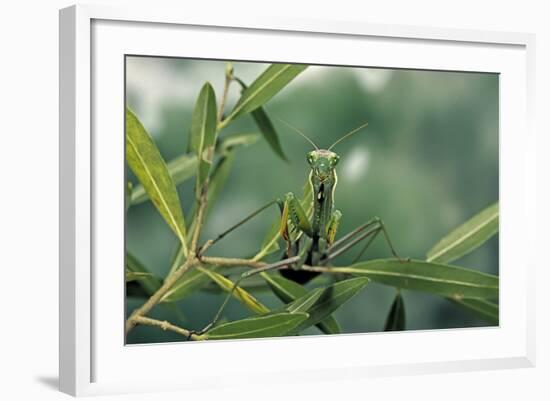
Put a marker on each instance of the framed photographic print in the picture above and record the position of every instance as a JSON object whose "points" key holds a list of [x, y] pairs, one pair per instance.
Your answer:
{"points": [[315, 199]]}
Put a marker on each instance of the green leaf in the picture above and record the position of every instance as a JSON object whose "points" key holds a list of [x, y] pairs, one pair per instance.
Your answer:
{"points": [[231, 142], [482, 308], [217, 182], [268, 130], [266, 127], [127, 196], [289, 291], [452, 281], [180, 169], [219, 178], [203, 132], [304, 303], [332, 298], [133, 276], [134, 268], [274, 325], [241, 295], [228, 147], [145, 160], [270, 242], [184, 166], [190, 282], [467, 237], [396, 318], [267, 85]]}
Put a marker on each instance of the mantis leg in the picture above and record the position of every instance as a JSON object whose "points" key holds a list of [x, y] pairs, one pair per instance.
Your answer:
{"points": [[293, 211], [211, 242], [377, 227], [282, 264], [332, 226]]}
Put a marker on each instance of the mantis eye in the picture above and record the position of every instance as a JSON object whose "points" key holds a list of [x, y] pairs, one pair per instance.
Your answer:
{"points": [[310, 158], [334, 160]]}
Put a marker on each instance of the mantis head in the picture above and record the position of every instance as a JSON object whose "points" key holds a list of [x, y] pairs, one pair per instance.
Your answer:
{"points": [[322, 162]]}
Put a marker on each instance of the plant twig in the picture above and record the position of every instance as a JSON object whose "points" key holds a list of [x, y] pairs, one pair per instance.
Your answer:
{"points": [[157, 296], [203, 203], [213, 260], [165, 325], [191, 261]]}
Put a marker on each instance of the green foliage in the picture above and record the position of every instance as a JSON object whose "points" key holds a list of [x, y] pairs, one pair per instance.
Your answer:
{"points": [[192, 281], [396, 318], [289, 291], [466, 237], [333, 297], [180, 169], [135, 270], [210, 160], [267, 85], [241, 295], [266, 127], [451, 281], [145, 160], [256, 327], [482, 308], [305, 302], [203, 133]]}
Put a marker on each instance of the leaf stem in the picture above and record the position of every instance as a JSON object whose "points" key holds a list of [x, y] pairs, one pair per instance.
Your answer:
{"points": [[227, 83]]}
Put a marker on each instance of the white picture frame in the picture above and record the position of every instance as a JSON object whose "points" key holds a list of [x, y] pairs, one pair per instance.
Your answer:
{"points": [[93, 360]]}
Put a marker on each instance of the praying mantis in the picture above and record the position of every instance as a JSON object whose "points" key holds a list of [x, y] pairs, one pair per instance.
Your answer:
{"points": [[310, 233]]}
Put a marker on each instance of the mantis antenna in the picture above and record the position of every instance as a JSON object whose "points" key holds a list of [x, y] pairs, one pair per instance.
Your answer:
{"points": [[349, 134], [298, 131]]}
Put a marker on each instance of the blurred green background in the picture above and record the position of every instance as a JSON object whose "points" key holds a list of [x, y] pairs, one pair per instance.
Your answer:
{"points": [[427, 161]]}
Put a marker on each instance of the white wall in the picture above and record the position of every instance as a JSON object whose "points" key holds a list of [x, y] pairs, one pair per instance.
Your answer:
{"points": [[28, 201]]}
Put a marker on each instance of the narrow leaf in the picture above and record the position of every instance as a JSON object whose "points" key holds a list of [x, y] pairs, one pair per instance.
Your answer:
{"points": [[274, 325], [270, 242], [127, 196], [184, 166], [396, 318], [180, 169], [304, 303], [289, 291], [452, 281], [266, 127], [234, 141], [217, 182], [267, 85], [145, 160], [241, 295], [134, 268], [190, 282], [268, 130], [486, 310], [133, 276], [219, 178], [467, 237], [203, 133], [332, 298]]}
